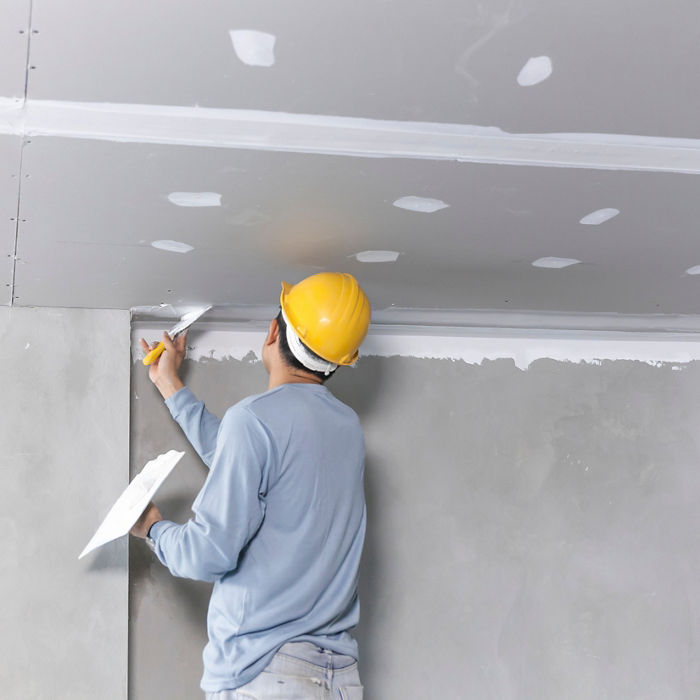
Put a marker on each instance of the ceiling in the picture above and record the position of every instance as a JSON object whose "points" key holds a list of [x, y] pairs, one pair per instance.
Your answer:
{"points": [[306, 159]]}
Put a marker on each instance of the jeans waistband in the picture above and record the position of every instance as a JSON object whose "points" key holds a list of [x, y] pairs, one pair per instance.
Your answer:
{"points": [[306, 651]]}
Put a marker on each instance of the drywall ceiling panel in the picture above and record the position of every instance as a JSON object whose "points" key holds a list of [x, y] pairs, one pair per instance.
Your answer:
{"points": [[93, 210], [14, 35], [616, 67], [10, 150]]}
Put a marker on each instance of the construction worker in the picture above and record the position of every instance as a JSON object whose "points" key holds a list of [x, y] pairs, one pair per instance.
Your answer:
{"points": [[280, 522]]}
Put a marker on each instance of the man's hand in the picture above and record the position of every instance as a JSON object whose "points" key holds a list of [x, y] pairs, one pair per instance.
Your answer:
{"points": [[164, 371], [143, 524]]}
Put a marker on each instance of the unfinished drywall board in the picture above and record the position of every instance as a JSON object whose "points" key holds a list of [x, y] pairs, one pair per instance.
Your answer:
{"points": [[95, 209], [528, 535], [10, 155], [65, 452], [531, 533], [15, 35], [171, 664], [446, 62]]}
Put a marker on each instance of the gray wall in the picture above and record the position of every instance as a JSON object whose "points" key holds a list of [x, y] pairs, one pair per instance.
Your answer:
{"points": [[64, 434], [532, 534]]}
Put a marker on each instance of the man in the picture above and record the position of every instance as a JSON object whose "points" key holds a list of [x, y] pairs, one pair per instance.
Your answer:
{"points": [[279, 524]]}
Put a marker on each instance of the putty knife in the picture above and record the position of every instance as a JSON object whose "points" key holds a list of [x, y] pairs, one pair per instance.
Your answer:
{"points": [[182, 325]]}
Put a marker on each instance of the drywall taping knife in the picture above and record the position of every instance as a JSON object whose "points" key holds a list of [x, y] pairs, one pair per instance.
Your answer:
{"points": [[182, 325]]}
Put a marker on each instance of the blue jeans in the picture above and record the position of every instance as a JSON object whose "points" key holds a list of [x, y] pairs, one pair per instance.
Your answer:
{"points": [[301, 671]]}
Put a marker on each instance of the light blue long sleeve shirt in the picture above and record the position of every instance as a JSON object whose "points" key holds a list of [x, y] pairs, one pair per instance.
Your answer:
{"points": [[278, 526]]}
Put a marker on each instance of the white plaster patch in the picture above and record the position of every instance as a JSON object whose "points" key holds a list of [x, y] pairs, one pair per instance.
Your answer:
{"points": [[555, 263], [172, 247], [208, 344], [377, 256], [425, 205], [693, 270], [195, 199], [254, 48], [600, 216], [536, 70]]}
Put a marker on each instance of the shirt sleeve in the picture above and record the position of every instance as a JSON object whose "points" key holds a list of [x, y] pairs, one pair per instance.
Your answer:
{"points": [[199, 425], [230, 507]]}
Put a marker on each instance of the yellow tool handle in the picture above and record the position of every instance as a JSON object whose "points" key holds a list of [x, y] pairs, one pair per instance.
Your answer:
{"points": [[154, 354]]}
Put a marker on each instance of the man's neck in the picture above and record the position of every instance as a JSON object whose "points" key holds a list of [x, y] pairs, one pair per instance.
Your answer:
{"points": [[291, 376]]}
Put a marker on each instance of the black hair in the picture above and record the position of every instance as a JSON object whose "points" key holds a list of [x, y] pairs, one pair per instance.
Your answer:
{"points": [[288, 356]]}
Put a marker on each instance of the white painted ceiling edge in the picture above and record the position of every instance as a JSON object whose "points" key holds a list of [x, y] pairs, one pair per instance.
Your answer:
{"points": [[453, 322], [350, 136]]}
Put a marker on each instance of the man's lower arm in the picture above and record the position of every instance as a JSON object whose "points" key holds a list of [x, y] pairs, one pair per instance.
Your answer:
{"points": [[167, 386]]}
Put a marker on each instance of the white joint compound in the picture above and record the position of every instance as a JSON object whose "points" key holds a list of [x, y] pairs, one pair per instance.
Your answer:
{"points": [[349, 136]]}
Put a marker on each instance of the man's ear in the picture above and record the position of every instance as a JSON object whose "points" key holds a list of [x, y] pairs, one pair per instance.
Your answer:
{"points": [[273, 332]]}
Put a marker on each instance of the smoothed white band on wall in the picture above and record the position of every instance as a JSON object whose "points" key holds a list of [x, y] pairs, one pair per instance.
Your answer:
{"points": [[470, 346], [349, 136]]}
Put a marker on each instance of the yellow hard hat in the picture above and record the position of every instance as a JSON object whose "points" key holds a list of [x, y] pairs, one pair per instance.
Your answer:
{"points": [[330, 313]]}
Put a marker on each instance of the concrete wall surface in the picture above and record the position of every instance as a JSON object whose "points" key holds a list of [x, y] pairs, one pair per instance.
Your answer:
{"points": [[533, 535], [64, 434]]}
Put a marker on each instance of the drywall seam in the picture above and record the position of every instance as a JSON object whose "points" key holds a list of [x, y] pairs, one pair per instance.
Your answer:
{"points": [[16, 103], [473, 348], [28, 63], [18, 217], [350, 136]]}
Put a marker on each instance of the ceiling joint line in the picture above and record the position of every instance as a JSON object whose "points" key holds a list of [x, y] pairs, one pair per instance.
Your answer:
{"points": [[18, 214], [316, 134], [27, 67]]}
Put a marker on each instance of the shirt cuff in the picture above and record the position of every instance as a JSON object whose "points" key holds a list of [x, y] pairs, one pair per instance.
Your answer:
{"points": [[179, 401], [154, 533], [157, 528]]}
